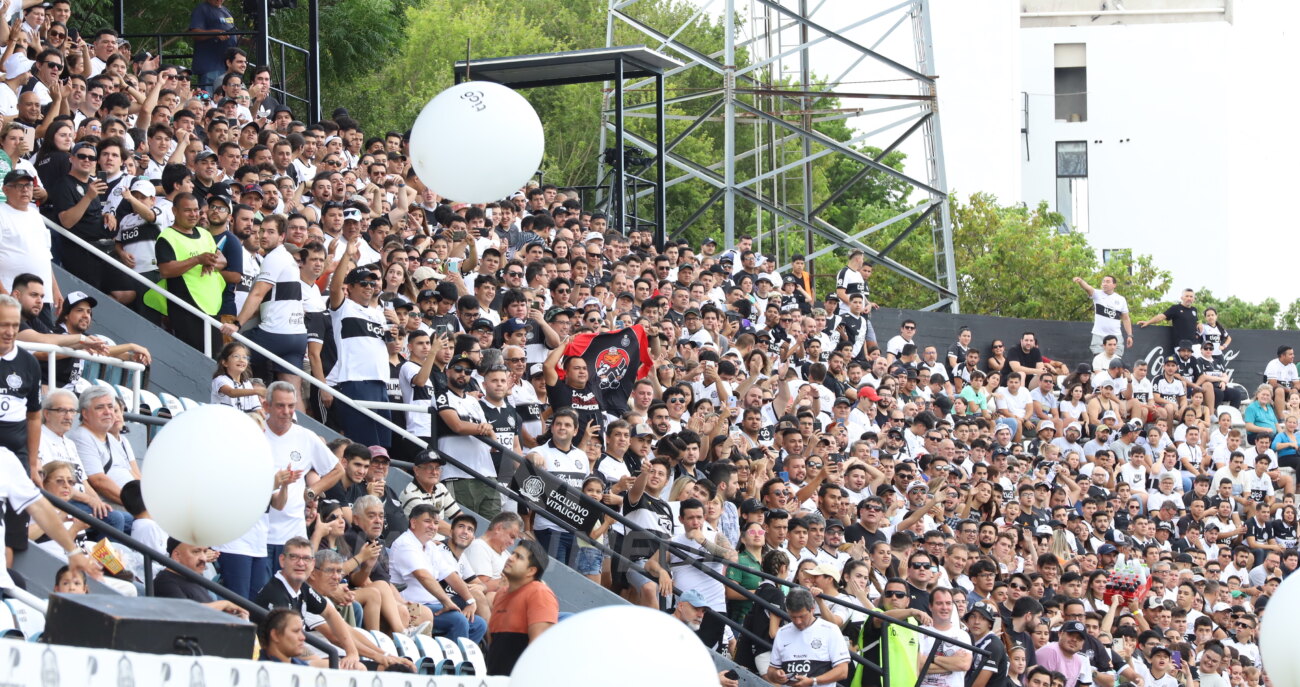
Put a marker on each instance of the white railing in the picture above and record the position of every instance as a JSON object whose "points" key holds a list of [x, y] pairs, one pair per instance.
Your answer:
{"points": [[216, 324], [52, 351], [28, 599]]}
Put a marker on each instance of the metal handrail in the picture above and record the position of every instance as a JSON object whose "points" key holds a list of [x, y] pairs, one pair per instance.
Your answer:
{"points": [[685, 554], [151, 556], [136, 369], [292, 368]]}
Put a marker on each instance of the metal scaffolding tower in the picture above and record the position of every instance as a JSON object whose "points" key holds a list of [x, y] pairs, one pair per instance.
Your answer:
{"points": [[768, 92]]}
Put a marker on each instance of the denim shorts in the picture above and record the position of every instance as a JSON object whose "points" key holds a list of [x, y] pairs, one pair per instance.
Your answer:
{"points": [[589, 560]]}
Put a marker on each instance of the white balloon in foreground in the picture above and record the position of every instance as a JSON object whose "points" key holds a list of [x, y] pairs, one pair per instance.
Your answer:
{"points": [[476, 142], [208, 475], [1276, 644], [592, 648]]}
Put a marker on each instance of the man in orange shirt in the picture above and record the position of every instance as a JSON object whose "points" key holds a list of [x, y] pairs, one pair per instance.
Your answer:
{"points": [[522, 612]]}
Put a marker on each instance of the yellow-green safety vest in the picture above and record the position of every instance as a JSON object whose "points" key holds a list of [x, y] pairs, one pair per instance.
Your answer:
{"points": [[205, 289], [903, 645]]}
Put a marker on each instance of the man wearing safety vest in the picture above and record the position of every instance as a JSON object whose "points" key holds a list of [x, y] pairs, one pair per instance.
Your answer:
{"points": [[190, 265], [894, 647]]}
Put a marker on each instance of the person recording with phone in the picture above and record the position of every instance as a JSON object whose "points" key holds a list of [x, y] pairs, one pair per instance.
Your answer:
{"points": [[75, 203]]}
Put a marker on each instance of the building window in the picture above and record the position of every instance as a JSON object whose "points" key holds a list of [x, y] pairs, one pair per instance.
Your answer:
{"points": [[1071, 82], [1118, 254], [1072, 185]]}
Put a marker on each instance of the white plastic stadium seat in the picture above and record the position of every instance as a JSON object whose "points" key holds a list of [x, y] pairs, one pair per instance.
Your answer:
{"points": [[149, 402], [384, 642], [171, 403], [106, 385], [434, 657], [475, 663], [28, 620], [9, 625], [189, 404], [124, 393], [1237, 419], [406, 647], [452, 656]]}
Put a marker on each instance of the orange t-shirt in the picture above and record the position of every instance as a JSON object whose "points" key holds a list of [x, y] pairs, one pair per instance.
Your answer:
{"points": [[515, 611]]}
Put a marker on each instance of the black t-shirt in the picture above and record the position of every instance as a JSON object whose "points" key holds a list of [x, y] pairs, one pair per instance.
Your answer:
{"points": [[63, 370], [1023, 640], [1192, 368], [1183, 321], [172, 586], [584, 402], [856, 532], [1261, 531], [357, 539], [918, 598], [1096, 653], [276, 594], [757, 622], [996, 662], [1030, 360], [52, 166], [65, 192], [1284, 534], [505, 422], [20, 393]]}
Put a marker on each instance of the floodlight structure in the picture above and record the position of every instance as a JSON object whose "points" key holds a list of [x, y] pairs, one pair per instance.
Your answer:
{"points": [[768, 107]]}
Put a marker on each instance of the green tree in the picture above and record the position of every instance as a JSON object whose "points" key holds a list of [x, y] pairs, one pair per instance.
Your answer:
{"points": [[1012, 261]]}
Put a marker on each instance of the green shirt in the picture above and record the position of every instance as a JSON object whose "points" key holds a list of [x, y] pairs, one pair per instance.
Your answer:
{"points": [[738, 609]]}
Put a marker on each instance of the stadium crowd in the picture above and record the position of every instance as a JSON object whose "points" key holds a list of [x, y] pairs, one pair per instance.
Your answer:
{"points": [[974, 487]]}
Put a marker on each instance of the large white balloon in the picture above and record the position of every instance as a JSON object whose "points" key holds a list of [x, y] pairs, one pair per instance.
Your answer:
{"points": [[631, 646], [476, 142], [208, 475], [1276, 643]]}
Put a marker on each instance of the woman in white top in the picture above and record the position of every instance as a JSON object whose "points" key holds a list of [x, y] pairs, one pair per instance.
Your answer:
{"points": [[1072, 407]]}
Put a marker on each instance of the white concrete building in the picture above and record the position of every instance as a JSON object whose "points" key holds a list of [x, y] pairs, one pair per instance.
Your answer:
{"points": [[1157, 126]]}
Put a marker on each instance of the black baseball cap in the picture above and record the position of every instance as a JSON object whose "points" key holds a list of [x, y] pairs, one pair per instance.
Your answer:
{"points": [[427, 457], [359, 274], [16, 175]]}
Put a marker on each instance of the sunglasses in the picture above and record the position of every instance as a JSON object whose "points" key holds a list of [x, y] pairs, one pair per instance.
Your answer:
{"points": [[1018, 587], [460, 368], [89, 158], [894, 595], [367, 284], [921, 566]]}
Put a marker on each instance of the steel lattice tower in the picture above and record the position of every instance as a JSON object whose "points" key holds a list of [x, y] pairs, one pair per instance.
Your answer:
{"points": [[888, 100]]}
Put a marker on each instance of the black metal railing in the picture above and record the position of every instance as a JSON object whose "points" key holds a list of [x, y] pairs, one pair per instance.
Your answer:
{"points": [[152, 557]]}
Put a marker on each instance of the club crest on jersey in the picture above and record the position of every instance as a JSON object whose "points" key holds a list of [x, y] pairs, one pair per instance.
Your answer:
{"points": [[611, 365], [13, 380], [294, 456], [510, 419], [816, 644]]}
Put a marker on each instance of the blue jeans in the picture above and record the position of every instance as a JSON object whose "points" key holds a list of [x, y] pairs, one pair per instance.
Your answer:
{"points": [[558, 543], [120, 520], [455, 625], [210, 81], [356, 426], [272, 564], [243, 575]]}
